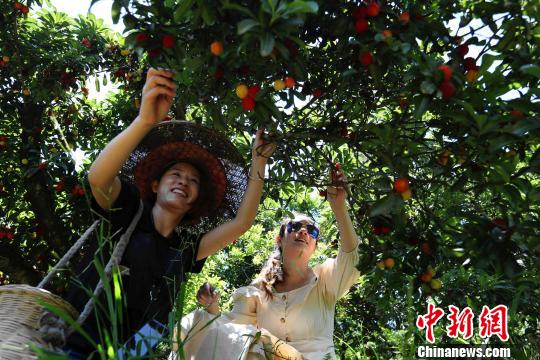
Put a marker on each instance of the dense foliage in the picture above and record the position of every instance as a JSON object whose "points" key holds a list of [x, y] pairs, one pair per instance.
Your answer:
{"points": [[435, 124]]}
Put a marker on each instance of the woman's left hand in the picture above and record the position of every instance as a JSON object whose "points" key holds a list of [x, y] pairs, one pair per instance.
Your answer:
{"points": [[337, 190]]}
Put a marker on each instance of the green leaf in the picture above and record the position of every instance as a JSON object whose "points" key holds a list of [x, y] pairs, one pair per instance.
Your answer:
{"points": [[181, 11], [384, 205], [302, 7], [267, 44], [116, 9], [246, 25], [421, 108], [531, 69]]}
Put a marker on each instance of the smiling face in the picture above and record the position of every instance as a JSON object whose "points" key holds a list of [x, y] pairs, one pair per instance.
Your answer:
{"points": [[178, 187], [298, 241]]}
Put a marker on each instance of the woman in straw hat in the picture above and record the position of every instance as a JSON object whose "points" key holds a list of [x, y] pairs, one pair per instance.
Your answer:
{"points": [[197, 200], [287, 312]]}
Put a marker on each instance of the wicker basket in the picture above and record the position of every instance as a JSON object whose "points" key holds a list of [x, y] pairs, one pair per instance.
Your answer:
{"points": [[20, 312]]}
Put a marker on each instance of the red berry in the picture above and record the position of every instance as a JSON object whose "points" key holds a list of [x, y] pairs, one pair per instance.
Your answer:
{"points": [[253, 91], [86, 43], [446, 70], [360, 12], [317, 93], [366, 58], [373, 9], [248, 103], [516, 113], [18, 5], [402, 103], [218, 74], [463, 49], [469, 64], [25, 9], [168, 41], [154, 53], [401, 184], [502, 223], [322, 193], [447, 89], [289, 82], [141, 37], [361, 25]]}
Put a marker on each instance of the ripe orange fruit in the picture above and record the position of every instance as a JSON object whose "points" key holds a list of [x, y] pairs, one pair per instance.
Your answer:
{"points": [[404, 17], [401, 184], [6, 58], [389, 263], [279, 85], [471, 76], [241, 91], [387, 33], [216, 48], [290, 82], [426, 277]]}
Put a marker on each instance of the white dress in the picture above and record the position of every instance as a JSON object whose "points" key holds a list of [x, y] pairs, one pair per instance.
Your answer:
{"points": [[302, 318]]}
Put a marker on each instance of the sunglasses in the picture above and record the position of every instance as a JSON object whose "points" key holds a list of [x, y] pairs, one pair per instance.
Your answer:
{"points": [[296, 226]]}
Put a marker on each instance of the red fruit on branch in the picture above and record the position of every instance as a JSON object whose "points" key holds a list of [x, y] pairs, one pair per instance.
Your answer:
{"points": [[500, 222], [77, 190], [322, 193], [360, 12], [218, 74], [361, 25], [59, 186], [317, 93], [381, 230], [366, 58], [447, 89], [373, 8], [168, 41], [289, 82], [469, 64], [404, 18], [141, 38], [446, 70], [401, 184], [86, 43], [248, 103], [463, 49], [154, 53], [253, 90]]}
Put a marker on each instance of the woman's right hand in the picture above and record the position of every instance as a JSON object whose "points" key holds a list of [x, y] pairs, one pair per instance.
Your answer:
{"points": [[157, 96], [207, 295]]}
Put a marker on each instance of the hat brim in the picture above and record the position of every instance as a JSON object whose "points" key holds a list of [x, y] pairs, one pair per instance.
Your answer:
{"points": [[209, 151]]}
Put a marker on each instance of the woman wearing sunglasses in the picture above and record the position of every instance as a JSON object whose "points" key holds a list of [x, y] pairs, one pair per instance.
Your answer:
{"points": [[288, 310]]}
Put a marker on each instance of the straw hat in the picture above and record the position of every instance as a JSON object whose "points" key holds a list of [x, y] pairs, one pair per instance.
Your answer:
{"points": [[222, 168]]}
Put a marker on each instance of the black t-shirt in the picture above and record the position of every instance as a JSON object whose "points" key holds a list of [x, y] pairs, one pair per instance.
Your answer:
{"points": [[156, 266]]}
